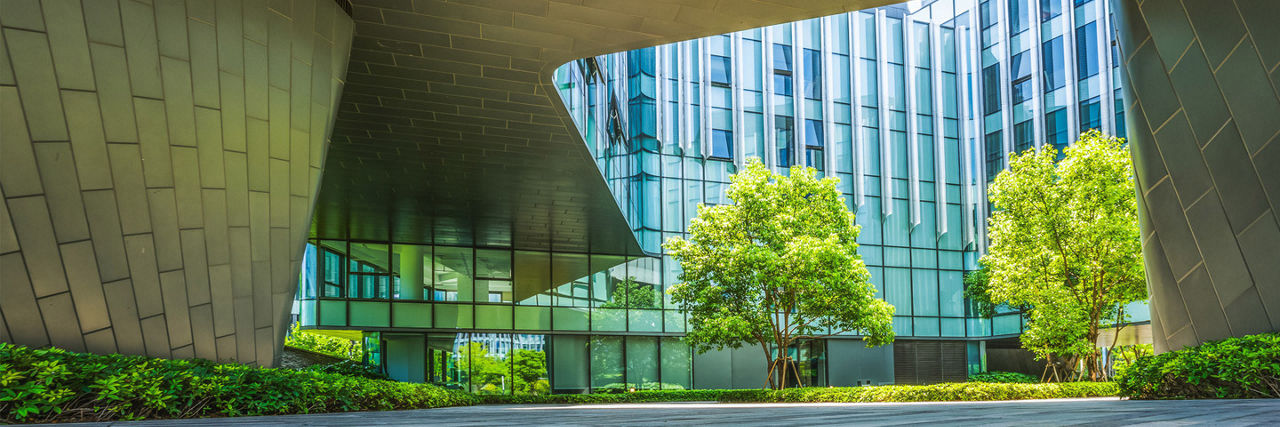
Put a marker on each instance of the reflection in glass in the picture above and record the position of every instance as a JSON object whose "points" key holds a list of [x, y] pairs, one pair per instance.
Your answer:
{"points": [[488, 362], [677, 364], [570, 364], [642, 363], [447, 369], [606, 362], [410, 269], [367, 272], [453, 274], [331, 260]]}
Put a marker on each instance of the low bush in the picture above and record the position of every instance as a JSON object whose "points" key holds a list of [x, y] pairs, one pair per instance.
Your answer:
{"points": [[1234, 368], [48, 385], [887, 393], [1003, 377], [945, 392]]}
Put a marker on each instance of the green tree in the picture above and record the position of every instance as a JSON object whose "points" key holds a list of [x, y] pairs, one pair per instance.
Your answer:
{"points": [[778, 265], [632, 294], [1065, 246]]}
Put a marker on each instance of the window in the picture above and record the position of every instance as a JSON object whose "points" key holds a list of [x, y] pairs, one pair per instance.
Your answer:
{"points": [[1017, 16], [722, 144], [988, 17], [1090, 114], [1023, 136], [813, 138], [1050, 9], [720, 71], [782, 58], [1120, 130], [785, 136], [1055, 128], [988, 24], [1020, 74], [991, 89], [995, 151], [782, 69], [782, 84], [1054, 77], [812, 74], [1086, 41]]}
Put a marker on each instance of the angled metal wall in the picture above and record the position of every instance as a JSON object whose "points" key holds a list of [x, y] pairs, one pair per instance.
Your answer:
{"points": [[160, 165], [1202, 82]]}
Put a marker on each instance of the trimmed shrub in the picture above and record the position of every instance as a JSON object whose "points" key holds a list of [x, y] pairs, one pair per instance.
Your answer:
{"points": [[1003, 377], [888, 393], [946, 392], [1234, 368], [45, 385]]}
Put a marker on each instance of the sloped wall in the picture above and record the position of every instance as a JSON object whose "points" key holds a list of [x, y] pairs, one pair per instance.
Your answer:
{"points": [[1202, 78], [160, 164]]}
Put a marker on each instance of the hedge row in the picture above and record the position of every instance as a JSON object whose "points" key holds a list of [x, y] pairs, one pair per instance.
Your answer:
{"points": [[972, 391], [1003, 377], [1234, 368], [46, 385]]}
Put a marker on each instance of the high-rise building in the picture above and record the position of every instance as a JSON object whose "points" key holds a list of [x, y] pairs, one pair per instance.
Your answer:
{"points": [[913, 107]]}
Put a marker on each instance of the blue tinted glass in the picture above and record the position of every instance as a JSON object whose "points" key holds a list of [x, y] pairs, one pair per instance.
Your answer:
{"points": [[813, 133], [1050, 9], [1086, 41], [782, 57], [988, 17], [720, 70], [784, 136], [1090, 114], [1023, 136], [1054, 75], [722, 144], [991, 89], [995, 152], [1055, 128], [813, 158], [1021, 75], [1020, 66], [1021, 91], [1017, 16], [812, 74], [782, 84]]}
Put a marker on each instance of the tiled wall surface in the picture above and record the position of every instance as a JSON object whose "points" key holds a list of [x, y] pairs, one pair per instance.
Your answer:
{"points": [[1204, 86], [160, 165]]}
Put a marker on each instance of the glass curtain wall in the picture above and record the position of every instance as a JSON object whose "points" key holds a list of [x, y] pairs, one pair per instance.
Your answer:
{"points": [[912, 107]]}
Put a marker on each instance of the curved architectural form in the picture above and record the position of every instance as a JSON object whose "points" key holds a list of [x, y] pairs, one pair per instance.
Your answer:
{"points": [[160, 164], [1205, 134]]}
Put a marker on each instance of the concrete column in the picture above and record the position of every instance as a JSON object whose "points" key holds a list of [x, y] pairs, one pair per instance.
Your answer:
{"points": [[406, 357]]}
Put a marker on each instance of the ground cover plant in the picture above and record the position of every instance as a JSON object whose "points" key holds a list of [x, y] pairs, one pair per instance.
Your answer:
{"points": [[1234, 368], [48, 385]]}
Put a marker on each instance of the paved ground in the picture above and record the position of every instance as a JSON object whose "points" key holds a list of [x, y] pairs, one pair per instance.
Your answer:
{"points": [[1101, 411]]}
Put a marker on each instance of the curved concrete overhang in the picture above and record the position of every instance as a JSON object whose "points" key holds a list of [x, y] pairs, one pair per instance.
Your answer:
{"points": [[450, 129]]}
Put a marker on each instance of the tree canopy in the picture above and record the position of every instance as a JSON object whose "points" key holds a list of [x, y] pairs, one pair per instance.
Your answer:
{"points": [[1065, 245], [778, 265]]}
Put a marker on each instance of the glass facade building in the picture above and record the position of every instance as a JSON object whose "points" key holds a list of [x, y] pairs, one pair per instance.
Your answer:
{"points": [[913, 107]]}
